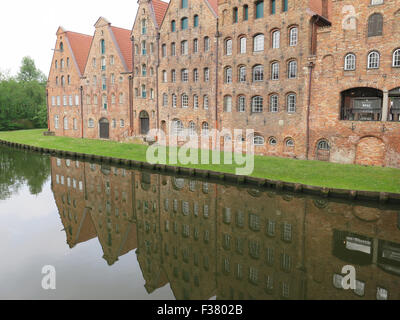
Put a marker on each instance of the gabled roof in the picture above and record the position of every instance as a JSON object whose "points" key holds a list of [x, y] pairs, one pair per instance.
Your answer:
{"points": [[123, 38], [214, 5], [160, 8], [80, 46]]}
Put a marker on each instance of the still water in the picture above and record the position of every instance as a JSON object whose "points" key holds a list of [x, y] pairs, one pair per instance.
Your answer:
{"points": [[114, 233]]}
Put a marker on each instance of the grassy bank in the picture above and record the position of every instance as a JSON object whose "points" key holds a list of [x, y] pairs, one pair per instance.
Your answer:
{"points": [[306, 172]]}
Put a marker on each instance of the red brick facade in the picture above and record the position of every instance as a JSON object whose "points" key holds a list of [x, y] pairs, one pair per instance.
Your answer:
{"points": [[315, 79]]}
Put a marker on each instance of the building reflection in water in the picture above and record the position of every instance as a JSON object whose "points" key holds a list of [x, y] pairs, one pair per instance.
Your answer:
{"points": [[207, 239]]}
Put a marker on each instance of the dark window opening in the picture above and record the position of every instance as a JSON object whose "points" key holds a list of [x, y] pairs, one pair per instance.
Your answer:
{"points": [[362, 104], [394, 99], [375, 25]]}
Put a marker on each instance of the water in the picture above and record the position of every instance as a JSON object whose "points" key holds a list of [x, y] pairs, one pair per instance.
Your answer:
{"points": [[114, 233]]}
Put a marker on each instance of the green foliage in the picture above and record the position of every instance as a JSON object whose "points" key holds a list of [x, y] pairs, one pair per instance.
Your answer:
{"points": [[23, 98]]}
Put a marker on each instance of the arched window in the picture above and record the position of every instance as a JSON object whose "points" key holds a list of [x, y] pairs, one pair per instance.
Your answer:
{"points": [[242, 74], [289, 143], [275, 71], [258, 140], [257, 104], [228, 47], [205, 129], [196, 101], [323, 145], [258, 73], [293, 36], [228, 103], [56, 122], [291, 103], [174, 101], [375, 25], [91, 123], [243, 44], [103, 46], [173, 26], [292, 69], [241, 106], [196, 21], [173, 76], [196, 75], [61, 47], [245, 12], [165, 100], [350, 62], [396, 58], [272, 141], [144, 50], [144, 70], [185, 75], [276, 39], [144, 26], [184, 47], [104, 101], [178, 127], [228, 75], [205, 102], [65, 123], [173, 49], [259, 9], [274, 103], [195, 46], [184, 4], [184, 23], [206, 44], [192, 128], [258, 43], [235, 15], [62, 81], [373, 60], [185, 100]]}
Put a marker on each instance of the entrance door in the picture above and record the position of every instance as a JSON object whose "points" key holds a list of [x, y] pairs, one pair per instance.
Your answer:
{"points": [[104, 126], [144, 123]]}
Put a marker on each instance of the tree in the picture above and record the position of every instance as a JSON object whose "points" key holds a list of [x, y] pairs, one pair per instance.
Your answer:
{"points": [[28, 72]]}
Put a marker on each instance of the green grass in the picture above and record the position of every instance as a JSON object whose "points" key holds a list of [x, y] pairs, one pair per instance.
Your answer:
{"points": [[307, 172]]}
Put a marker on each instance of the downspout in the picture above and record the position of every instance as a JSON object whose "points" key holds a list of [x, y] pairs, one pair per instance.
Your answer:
{"points": [[48, 110], [131, 88], [157, 89], [311, 66], [216, 86], [81, 90]]}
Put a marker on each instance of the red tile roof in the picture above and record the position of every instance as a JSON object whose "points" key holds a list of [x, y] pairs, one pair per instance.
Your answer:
{"points": [[214, 5], [80, 45], [160, 8], [123, 38]]}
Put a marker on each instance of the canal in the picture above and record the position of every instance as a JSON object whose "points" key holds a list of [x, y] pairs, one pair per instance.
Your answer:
{"points": [[118, 233]]}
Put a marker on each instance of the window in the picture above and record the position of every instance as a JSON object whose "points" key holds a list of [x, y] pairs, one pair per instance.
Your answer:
{"points": [[292, 69], [195, 46], [144, 70], [289, 143], [276, 39], [245, 12], [396, 58], [113, 98], [65, 123], [104, 82], [195, 101], [350, 62], [104, 101], [373, 60], [259, 9], [121, 96], [195, 75], [291, 103], [235, 15], [75, 124], [114, 123], [136, 49], [205, 102], [69, 79], [205, 129], [275, 71], [91, 123], [63, 81], [144, 26], [228, 47], [112, 60], [228, 75], [144, 92], [173, 26], [184, 4], [228, 104], [206, 75], [103, 63], [122, 123], [62, 64], [164, 76], [173, 76], [375, 25], [56, 81], [196, 21], [259, 43], [185, 101], [112, 78], [103, 46], [273, 6], [273, 103], [293, 36], [259, 140], [174, 101], [53, 101], [144, 49], [206, 44], [184, 23], [285, 5], [258, 73], [95, 101], [243, 44], [56, 122], [272, 141], [242, 74], [177, 127], [184, 47], [185, 75], [65, 101], [192, 128], [165, 100], [173, 49], [242, 104], [257, 104]]}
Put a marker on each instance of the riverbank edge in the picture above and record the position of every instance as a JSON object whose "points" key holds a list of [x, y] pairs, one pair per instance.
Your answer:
{"points": [[325, 192]]}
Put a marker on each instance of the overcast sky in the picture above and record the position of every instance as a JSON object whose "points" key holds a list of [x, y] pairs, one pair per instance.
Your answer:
{"points": [[28, 28]]}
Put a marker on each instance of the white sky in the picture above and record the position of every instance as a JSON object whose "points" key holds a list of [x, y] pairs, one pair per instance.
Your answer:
{"points": [[28, 28]]}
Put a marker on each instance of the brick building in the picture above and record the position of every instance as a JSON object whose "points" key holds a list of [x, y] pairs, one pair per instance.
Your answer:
{"points": [[63, 86], [315, 79], [356, 89]]}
